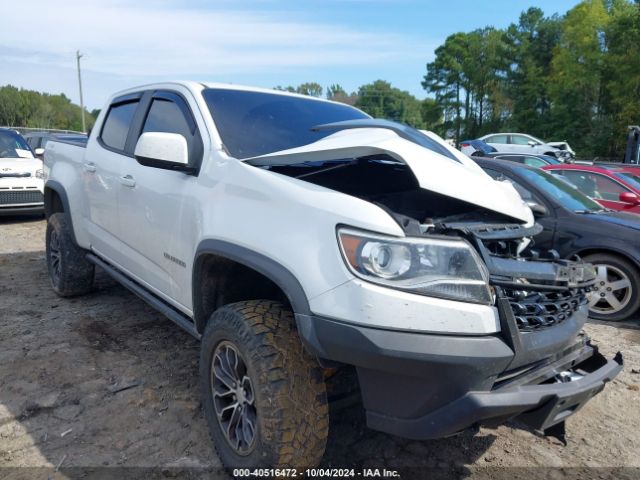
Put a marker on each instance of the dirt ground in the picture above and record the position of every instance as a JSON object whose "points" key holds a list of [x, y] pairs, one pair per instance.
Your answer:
{"points": [[91, 384]]}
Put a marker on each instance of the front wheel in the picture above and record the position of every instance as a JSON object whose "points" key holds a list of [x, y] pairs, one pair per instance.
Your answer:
{"points": [[615, 295], [264, 395]]}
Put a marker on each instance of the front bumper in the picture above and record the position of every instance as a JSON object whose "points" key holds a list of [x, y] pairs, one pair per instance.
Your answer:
{"points": [[426, 386], [22, 209]]}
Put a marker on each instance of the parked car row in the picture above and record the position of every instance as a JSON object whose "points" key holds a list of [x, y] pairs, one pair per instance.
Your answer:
{"points": [[519, 143], [613, 186], [574, 224]]}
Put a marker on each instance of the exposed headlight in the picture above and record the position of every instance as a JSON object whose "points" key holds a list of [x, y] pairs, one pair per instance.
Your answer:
{"points": [[438, 267], [40, 173]]}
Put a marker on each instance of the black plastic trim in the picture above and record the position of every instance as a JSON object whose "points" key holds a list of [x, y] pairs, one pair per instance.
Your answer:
{"points": [[271, 269], [153, 300], [427, 386], [55, 186]]}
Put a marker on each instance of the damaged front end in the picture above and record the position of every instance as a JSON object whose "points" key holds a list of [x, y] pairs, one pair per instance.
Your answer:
{"points": [[538, 366], [542, 303]]}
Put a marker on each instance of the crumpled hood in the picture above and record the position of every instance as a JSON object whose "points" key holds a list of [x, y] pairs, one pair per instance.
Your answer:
{"points": [[463, 179], [20, 165]]}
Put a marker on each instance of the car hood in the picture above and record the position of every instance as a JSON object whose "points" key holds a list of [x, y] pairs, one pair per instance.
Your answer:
{"points": [[9, 166], [462, 179], [561, 146]]}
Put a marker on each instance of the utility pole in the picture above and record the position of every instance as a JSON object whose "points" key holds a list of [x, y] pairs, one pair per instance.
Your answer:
{"points": [[78, 57]]}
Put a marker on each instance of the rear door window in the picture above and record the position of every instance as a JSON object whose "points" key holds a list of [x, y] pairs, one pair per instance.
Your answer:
{"points": [[116, 125], [520, 140], [595, 185], [501, 139]]}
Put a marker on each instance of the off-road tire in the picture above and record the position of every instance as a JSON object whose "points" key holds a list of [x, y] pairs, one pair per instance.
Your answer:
{"points": [[628, 269], [70, 272], [290, 395]]}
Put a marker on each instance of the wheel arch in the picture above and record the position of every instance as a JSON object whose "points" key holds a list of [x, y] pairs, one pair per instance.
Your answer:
{"points": [[584, 252], [224, 273], [55, 198]]}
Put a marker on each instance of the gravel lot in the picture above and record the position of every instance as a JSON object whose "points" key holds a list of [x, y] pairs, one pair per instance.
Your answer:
{"points": [[105, 381]]}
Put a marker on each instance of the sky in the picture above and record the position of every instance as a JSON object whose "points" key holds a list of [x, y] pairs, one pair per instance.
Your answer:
{"points": [[251, 42]]}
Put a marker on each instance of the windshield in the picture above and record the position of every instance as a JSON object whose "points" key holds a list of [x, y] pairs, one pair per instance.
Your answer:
{"points": [[12, 145], [632, 179], [551, 160], [567, 196], [256, 123]]}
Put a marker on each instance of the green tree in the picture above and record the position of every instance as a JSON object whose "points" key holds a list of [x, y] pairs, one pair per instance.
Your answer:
{"points": [[445, 78], [531, 43], [336, 93], [621, 76], [312, 89], [28, 108], [379, 99], [575, 85], [431, 114]]}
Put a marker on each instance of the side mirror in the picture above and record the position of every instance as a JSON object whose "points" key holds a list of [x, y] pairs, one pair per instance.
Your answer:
{"points": [[537, 209], [163, 150], [39, 152], [630, 198], [531, 143]]}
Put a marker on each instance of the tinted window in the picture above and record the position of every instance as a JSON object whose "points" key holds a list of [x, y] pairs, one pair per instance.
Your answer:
{"points": [[524, 193], [564, 194], [497, 139], [631, 178], [511, 158], [595, 185], [166, 116], [551, 160], [256, 123], [116, 125], [13, 145], [520, 140], [534, 162]]}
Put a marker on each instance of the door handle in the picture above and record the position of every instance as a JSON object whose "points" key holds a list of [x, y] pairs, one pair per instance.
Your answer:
{"points": [[128, 181], [90, 167]]}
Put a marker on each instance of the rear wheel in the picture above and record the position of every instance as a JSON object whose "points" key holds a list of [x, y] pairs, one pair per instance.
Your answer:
{"points": [[264, 395], [70, 272], [616, 293]]}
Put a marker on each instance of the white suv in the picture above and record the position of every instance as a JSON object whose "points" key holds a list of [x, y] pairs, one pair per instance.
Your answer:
{"points": [[21, 176], [295, 236], [523, 143]]}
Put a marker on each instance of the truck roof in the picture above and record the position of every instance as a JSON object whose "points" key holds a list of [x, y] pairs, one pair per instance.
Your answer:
{"points": [[199, 86]]}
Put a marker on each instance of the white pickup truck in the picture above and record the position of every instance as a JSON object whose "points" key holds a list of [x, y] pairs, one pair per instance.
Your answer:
{"points": [[295, 236]]}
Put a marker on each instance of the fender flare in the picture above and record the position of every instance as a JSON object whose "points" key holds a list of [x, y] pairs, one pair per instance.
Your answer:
{"points": [[262, 264], [55, 186]]}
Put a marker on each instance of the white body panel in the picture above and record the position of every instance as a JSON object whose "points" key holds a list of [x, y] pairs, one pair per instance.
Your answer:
{"points": [[18, 188], [158, 216]]}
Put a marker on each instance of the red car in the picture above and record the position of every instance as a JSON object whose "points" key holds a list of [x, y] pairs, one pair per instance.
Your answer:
{"points": [[616, 187]]}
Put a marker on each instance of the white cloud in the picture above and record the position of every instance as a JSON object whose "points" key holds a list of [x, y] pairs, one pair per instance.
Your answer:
{"points": [[162, 38], [132, 43]]}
